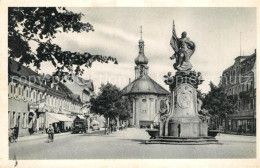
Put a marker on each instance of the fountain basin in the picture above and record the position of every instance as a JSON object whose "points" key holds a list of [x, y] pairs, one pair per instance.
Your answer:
{"points": [[213, 133], [153, 133]]}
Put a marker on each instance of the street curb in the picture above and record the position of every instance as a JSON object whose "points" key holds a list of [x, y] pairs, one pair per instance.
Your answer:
{"points": [[27, 138]]}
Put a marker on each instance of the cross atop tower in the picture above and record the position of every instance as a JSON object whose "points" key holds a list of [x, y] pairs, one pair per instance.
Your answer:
{"points": [[141, 31]]}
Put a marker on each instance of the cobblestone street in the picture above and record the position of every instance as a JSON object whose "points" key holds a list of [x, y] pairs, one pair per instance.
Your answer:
{"points": [[129, 144]]}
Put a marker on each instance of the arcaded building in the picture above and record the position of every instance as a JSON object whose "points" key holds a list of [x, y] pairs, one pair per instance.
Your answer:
{"points": [[145, 94]]}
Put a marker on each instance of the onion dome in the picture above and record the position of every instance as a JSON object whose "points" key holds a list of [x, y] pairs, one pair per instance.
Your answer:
{"points": [[141, 58]]}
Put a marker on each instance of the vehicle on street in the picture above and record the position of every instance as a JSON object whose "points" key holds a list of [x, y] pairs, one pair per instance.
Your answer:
{"points": [[80, 125]]}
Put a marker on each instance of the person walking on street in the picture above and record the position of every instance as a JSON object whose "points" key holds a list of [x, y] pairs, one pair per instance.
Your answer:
{"points": [[16, 132], [51, 133]]}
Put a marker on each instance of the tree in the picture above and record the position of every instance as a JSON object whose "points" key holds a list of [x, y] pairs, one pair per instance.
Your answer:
{"points": [[110, 103], [217, 103], [125, 108], [40, 25]]}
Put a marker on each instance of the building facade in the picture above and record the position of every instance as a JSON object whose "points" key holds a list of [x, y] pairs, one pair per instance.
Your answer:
{"points": [[85, 89], [238, 81], [145, 94], [35, 100]]}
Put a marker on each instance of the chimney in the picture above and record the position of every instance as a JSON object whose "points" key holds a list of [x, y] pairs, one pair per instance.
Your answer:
{"points": [[129, 80]]}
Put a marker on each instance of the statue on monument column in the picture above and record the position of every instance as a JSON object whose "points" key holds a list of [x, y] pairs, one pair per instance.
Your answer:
{"points": [[183, 48]]}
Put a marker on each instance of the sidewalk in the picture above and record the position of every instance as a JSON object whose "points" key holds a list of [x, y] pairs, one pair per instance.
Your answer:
{"points": [[38, 136]]}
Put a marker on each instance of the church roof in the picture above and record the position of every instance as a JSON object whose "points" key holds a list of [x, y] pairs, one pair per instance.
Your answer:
{"points": [[144, 85]]}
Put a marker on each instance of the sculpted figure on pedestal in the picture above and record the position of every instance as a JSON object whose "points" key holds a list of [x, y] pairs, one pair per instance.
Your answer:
{"points": [[183, 48]]}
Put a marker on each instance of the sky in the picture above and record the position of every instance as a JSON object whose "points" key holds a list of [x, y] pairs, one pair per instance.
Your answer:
{"points": [[215, 31]]}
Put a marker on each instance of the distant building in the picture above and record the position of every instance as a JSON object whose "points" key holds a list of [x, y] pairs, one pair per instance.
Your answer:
{"points": [[146, 95], [35, 100], [85, 89], [239, 82]]}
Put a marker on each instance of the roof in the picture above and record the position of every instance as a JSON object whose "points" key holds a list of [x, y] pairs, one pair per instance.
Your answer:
{"points": [[20, 70], [75, 97], [245, 59], [17, 69], [144, 84]]}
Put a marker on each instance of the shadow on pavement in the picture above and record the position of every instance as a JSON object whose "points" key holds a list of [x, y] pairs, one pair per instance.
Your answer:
{"points": [[98, 133], [141, 141]]}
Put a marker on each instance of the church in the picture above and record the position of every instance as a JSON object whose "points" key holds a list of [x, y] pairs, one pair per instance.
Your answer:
{"points": [[147, 96]]}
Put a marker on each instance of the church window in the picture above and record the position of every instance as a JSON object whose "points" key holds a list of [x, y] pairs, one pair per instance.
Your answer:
{"points": [[144, 106]]}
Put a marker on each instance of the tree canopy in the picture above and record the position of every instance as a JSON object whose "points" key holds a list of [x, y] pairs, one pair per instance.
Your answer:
{"points": [[110, 103], [217, 102], [40, 25]]}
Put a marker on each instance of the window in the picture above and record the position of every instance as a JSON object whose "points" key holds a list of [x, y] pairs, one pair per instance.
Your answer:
{"points": [[20, 93], [24, 121], [9, 90], [249, 127], [144, 106], [12, 90], [229, 124], [39, 96], [9, 119], [41, 122], [51, 103], [252, 104], [13, 120], [18, 119]]}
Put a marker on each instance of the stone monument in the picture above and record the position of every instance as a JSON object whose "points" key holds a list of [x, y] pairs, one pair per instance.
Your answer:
{"points": [[182, 120]]}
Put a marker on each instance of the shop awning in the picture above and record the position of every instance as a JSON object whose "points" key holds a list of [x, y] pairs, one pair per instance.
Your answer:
{"points": [[81, 117], [54, 117]]}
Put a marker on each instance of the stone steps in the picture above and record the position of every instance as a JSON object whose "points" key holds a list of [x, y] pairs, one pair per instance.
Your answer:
{"points": [[173, 137], [183, 141]]}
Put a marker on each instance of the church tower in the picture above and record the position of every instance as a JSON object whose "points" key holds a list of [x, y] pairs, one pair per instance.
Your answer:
{"points": [[145, 94], [141, 60]]}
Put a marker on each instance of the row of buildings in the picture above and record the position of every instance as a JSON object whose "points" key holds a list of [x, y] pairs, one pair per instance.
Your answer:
{"points": [[37, 100], [239, 82]]}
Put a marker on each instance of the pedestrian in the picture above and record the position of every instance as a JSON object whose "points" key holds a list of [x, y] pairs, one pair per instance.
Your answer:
{"points": [[16, 132], [51, 132]]}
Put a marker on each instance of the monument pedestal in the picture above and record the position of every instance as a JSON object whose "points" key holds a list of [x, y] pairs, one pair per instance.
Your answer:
{"points": [[183, 124], [184, 127]]}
